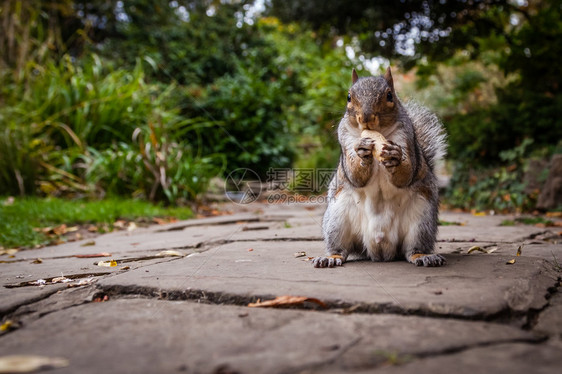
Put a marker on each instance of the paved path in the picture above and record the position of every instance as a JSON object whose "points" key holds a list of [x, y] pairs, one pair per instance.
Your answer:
{"points": [[186, 310]]}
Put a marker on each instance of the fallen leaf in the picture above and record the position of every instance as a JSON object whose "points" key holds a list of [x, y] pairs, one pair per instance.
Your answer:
{"points": [[519, 250], [38, 282], [132, 226], [37, 261], [7, 325], [92, 228], [475, 248], [510, 262], [93, 255], [554, 214], [83, 282], [300, 254], [29, 363], [160, 221], [492, 249], [286, 301], [60, 230], [479, 214], [9, 252], [250, 249], [125, 268], [108, 264], [62, 279], [91, 242], [170, 253]]}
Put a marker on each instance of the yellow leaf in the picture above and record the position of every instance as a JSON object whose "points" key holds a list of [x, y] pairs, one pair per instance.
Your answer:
{"points": [[475, 248], [510, 262], [7, 325], [519, 250], [108, 264]]}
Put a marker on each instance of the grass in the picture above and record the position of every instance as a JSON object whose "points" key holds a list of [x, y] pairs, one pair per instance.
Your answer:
{"points": [[19, 218]]}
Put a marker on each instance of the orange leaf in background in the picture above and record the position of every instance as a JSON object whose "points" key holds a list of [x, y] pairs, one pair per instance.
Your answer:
{"points": [[93, 255], [286, 301], [59, 230]]}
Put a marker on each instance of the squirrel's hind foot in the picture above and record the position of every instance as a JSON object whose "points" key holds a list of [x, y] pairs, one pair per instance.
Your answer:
{"points": [[327, 262], [429, 260]]}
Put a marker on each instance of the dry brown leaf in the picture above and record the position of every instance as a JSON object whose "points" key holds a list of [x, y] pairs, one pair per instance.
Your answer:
{"points": [[9, 252], [89, 243], [37, 261], [62, 279], [160, 221], [510, 262], [93, 255], [519, 250], [30, 363], [286, 300], [300, 254], [60, 230], [120, 224]]}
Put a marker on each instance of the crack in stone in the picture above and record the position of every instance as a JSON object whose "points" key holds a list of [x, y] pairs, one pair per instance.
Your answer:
{"points": [[503, 316], [50, 279]]}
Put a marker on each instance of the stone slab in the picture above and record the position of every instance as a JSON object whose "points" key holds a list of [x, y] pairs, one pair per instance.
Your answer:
{"points": [[469, 286], [151, 336], [503, 358]]}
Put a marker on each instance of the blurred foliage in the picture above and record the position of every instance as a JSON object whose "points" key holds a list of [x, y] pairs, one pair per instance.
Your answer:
{"points": [[153, 98]]}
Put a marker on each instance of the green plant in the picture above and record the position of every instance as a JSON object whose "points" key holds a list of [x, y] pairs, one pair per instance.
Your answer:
{"points": [[19, 218]]}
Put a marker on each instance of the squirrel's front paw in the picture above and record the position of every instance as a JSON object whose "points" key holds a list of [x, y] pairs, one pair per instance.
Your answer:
{"points": [[391, 155], [327, 262], [364, 147]]}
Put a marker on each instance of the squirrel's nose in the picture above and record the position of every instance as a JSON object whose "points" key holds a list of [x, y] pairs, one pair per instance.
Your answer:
{"points": [[366, 117]]}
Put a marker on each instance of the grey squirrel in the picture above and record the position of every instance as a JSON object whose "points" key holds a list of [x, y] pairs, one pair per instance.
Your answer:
{"points": [[388, 209]]}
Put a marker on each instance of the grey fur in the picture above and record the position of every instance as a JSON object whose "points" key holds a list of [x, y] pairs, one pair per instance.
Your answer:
{"points": [[384, 211]]}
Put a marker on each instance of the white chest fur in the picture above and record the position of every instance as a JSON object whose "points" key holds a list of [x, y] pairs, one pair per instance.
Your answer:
{"points": [[382, 217]]}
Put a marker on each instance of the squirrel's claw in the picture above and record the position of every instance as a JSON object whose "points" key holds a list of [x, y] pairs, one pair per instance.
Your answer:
{"points": [[432, 260], [364, 147], [391, 155], [326, 262]]}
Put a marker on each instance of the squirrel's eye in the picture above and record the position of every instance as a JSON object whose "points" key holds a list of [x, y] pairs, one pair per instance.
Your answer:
{"points": [[348, 97], [389, 97]]}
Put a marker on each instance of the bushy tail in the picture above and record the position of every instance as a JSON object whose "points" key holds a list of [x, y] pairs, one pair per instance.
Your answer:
{"points": [[429, 132]]}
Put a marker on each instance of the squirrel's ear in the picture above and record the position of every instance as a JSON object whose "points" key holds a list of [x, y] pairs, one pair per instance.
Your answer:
{"points": [[354, 76], [388, 78]]}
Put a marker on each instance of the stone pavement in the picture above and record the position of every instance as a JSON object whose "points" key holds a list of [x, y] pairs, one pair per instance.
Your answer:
{"points": [[177, 300]]}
